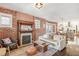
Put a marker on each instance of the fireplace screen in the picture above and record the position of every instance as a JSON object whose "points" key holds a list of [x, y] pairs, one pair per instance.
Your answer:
{"points": [[26, 39]]}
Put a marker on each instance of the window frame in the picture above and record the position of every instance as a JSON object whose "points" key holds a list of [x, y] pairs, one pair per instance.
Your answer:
{"points": [[9, 20], [37, 23]]}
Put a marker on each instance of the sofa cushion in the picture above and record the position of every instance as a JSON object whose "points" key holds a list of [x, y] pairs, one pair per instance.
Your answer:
{"points": [[6, 41], [46, 36]]}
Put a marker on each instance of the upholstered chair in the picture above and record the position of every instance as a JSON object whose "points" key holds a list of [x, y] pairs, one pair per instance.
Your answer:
{"points": [[9, 46]]}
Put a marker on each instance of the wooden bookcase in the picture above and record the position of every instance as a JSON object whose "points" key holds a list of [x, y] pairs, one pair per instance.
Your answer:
{"points": [[19, 31]]}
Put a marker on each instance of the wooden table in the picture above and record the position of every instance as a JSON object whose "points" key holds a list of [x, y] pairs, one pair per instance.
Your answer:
{"points": [[41, 46]]}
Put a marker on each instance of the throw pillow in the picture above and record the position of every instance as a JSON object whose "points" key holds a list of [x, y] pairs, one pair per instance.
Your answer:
{"points": [[7, 40]]}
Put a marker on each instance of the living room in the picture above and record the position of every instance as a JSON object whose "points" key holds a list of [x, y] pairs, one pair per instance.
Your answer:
{"points": [[27, 31]]}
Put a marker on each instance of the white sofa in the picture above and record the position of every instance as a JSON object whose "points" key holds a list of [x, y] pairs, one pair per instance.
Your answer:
{"points": [[58, 42]]}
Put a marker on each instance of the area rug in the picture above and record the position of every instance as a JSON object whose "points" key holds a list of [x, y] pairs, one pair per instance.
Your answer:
{"points": [[22, 52]]}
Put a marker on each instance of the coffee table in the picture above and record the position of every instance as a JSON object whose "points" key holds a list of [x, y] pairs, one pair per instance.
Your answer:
{"points": [[41, 46]]}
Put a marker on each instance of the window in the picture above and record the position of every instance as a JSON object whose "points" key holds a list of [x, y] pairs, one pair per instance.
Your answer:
{"points": [[5, 20], [37, 23], [49, 28]]}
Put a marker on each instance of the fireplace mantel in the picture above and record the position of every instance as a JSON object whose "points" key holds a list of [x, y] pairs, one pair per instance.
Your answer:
{"points": [[20, 31]]}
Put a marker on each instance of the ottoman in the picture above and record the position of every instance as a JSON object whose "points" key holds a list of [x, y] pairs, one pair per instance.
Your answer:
{"points": [[31, 51]]}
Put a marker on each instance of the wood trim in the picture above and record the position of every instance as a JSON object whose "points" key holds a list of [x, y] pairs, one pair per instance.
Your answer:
{"points": [[25, 22], [34, 31]]}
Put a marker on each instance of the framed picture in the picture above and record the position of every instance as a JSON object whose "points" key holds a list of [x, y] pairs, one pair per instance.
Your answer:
{"points": [[5, 20]]}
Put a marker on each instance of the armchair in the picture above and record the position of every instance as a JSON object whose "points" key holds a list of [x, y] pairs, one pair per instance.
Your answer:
{"points": [[9, 46]]}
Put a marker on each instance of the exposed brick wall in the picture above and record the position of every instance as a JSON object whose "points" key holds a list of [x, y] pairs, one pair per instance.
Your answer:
{"points": [[9, 32], [41, 31], [12, 32], [25, 17]]}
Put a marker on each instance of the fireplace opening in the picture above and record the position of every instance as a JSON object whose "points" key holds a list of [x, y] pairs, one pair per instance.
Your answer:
{"points": [[26, 38]]}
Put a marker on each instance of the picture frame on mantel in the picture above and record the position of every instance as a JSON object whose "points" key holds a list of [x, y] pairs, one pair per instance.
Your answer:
{"points": [[5, 20]]}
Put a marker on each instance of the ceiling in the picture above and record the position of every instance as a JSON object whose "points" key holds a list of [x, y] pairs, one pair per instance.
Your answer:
{"points": [[51, 11]]}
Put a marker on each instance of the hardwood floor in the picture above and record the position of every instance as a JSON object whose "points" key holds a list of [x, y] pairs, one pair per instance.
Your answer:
{"points": [[61, 53], [70, 50], [22, 52]]}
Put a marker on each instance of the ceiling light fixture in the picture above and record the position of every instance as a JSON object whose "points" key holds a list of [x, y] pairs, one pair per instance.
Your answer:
{"points": [[39, 5]]}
